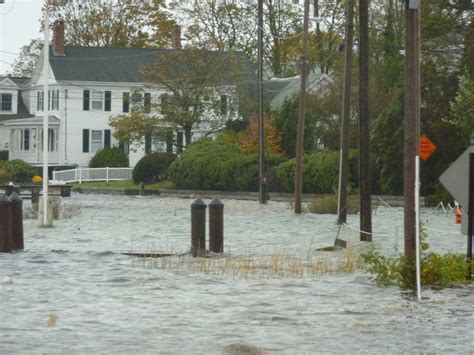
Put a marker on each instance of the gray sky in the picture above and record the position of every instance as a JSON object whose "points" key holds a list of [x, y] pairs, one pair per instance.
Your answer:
{"points": [[19, 23]]}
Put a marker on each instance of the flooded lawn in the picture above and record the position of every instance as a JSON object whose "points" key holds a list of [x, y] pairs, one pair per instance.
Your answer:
{"points": [[72, 291]]}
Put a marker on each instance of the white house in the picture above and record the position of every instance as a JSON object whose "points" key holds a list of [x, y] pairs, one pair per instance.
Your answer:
{"points": [[87, 85]]}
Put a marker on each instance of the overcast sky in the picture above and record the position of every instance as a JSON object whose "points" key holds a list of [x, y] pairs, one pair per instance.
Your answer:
{"points": [[19, 23]]}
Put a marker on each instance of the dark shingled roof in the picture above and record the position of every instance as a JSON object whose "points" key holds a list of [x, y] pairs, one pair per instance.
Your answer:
{"points": [[22, 112], [112, 64]]}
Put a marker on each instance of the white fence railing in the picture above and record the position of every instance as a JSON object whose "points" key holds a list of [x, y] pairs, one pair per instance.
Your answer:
{"points": [[92, 174]]}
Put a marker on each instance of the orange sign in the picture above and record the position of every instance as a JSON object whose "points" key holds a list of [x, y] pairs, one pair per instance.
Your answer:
{"points": [[426, 147]]}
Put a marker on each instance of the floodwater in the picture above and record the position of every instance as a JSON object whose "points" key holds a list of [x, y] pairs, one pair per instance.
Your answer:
{"points": [[71, 291]]}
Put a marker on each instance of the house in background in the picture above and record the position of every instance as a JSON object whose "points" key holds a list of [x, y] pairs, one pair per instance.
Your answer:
{"points": [[87, 85]]}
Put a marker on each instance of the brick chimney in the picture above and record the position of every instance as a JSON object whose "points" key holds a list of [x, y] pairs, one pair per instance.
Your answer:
{"points": [[176, 37], [58, 38]]}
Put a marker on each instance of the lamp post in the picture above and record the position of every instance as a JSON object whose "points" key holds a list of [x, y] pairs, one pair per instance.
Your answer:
{"points": [[45, 114]]}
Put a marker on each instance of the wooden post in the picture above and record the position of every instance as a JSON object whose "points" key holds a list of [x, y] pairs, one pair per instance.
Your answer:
{"points": [[216, 226], [35, 193], [412, 124], [364, 125], [141, 188], [5, 224], [261, 119], [16, 222], [301, 113], [198, 228]]}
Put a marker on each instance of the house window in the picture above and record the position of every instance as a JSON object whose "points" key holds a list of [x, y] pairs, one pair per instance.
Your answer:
{"points": [[25, 140], [96, 140], [6, 102], [136, 99], [52, 140], [97, 100]]}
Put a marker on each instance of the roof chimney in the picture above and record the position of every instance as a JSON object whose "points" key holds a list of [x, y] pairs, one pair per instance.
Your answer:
{"points": [[58, 38], [176, 37]]}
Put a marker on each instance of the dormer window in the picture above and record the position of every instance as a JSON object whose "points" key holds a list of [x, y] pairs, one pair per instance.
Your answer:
{"points": [[6, 104]]}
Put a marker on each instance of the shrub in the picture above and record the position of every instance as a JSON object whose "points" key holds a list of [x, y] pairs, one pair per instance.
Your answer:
{"points": [[218, 165], [16, 171], [3, 154], [152, 168], [442, 270], [320, 172], [109, 157]]}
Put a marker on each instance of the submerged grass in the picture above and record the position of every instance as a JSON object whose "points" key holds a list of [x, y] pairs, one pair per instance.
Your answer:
{"points": [[122, 184], [277, 264]]}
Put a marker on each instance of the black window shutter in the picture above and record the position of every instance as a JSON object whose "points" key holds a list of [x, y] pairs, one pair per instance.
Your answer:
{"points": [[108, 101], [147, 102], [180, 141], [126, 102], [86, 99], [107, 138], [85, 141], [148, 143]]}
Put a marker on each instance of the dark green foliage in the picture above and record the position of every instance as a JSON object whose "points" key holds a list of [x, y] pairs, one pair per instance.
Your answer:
{"points": [[387, 146], [217, 165], [17, 171], [320, 172], [442, 270], [3, 155], [152, 168], [109, 157], [286, 122]]}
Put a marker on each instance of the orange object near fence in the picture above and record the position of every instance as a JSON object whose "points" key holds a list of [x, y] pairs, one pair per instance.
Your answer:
{"points": [[458, 215]]}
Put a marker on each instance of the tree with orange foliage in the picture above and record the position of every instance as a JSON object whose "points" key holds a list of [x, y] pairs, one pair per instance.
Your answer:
{"points": [[249, 139]]}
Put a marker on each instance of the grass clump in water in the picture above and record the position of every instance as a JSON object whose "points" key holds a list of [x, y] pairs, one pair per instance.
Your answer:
{"points": [[328, 204], [438, 270], [275, 265]]}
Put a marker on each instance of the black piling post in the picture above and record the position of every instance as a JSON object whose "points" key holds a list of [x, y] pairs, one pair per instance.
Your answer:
{"points": [[16, 221], [5, 224], [35, 194], [141, 190], [216, 226], [198, 227]]}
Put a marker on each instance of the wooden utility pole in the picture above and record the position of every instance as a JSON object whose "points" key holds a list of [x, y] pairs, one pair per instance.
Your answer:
{"points": [[364, 125], [262, 195], [412, 122], [301, 113], [345, 116]]}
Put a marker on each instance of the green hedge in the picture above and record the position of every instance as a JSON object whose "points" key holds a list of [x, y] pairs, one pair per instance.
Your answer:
{"points": [[217, 165], [16, 171], [109, 157], [320, 172], [152, 168]]}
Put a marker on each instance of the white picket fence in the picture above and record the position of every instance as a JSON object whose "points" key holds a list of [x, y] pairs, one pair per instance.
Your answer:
{"points": [[92, 174]]}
